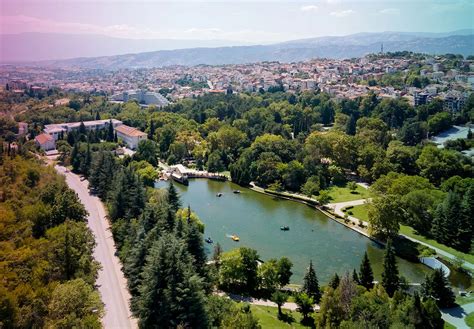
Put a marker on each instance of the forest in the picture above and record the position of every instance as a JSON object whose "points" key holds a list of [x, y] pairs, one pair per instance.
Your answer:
{"points": [[47, 271]]}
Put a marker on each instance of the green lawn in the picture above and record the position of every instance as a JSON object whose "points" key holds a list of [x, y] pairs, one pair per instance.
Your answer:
{"points": [[342, 194], [268, 317], [470, 320], [465, 300], [360, 212], [448, 325], [410, 232]]}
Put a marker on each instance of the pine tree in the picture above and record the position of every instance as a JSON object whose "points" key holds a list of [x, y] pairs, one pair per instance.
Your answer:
{"points": [[390, 278], [334, 282], [311, 284], [75, 159], [366, 275], [151, 131], [355, 277], [195, 244], [436, 286], [465, 230], [97, 115], [173, 198], [171, 293], [110, 132]]}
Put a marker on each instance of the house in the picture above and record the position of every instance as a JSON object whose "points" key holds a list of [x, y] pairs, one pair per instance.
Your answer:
{"points": [[130, 136], [45, 142], [22, 128]]}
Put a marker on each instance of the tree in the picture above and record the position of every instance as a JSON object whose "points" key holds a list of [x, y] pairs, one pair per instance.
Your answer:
{"points": [[147, 150], [70, 254], [284, 271], [249, 263], [194, 240], [334, 282], [310, 284], [240, 318], [385, 215], [355, 277], [173, 198], [324, 197], [74, 304], [390, 278], [305, 304], [171, 293], [366, 275], [436, 286], [279, 298]]}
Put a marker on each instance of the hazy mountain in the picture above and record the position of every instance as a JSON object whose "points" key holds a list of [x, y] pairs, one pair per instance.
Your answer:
{"points": [[355, 45], [47, 46]]}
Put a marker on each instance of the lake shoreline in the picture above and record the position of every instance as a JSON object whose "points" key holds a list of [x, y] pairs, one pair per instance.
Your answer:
{"points": [[313, 204]]}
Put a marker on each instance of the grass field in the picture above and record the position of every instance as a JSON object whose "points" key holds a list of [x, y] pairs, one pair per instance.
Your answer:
{"points": [[342, 194], [360, 212], [465, 300], [268, 317], [448, 325], [411, 233], [470, 320]]}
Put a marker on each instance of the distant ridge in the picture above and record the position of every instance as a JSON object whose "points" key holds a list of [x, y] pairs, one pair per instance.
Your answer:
{"points": [[355, 45]]}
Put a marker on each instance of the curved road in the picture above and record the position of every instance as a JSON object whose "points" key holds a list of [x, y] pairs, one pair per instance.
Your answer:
{"points": [[111, 281]]}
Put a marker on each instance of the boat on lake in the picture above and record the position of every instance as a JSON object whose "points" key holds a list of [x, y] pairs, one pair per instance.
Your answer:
{"points": [[284, 228], [236, 191], [208, 240], [218, 195], [235, 238]]}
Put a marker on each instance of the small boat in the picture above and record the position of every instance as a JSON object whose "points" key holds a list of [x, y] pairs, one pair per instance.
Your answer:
{"points": [[284, 228], [236, 191], [218, 195], [235, 238], [208, 240]]}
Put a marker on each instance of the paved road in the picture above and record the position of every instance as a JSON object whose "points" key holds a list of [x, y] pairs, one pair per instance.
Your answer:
{"points": [[111, 281], [456, 315]]}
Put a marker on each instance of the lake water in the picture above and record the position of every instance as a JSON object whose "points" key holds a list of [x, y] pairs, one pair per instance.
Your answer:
{"points": [[256, 218]]}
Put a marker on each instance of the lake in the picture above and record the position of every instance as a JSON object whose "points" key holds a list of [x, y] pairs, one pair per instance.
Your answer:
{"points": [[256, 218], [455, 132]]}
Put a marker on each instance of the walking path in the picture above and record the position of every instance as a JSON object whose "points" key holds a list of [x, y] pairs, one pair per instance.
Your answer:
{"points": [[456, 315], [338, 207], [111, 281], [263, 302]]}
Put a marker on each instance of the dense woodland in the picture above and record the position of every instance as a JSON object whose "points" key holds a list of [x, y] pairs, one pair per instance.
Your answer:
{"points": [[47, 273], [302, 143]]}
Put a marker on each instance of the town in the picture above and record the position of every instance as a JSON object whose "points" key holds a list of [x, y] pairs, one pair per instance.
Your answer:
{"points": [[447, 77]]}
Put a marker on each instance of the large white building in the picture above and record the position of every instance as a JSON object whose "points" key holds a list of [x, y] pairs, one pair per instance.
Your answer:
{"points": [[57, 128], [143, 97], [130, 136]]}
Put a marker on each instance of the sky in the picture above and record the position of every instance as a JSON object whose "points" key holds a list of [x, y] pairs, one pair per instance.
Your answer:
{"points": [[261, 21]]}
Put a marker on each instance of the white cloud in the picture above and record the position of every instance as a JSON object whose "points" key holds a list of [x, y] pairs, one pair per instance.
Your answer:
{"points": [[309, 8], [342, 13], [390, 11]]}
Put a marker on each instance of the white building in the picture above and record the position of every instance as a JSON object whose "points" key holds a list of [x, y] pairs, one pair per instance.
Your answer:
{"points": [[56, 129], [130, 136]]}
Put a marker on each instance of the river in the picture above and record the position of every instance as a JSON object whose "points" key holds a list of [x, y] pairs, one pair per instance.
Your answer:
{"points": [[256, 218]]}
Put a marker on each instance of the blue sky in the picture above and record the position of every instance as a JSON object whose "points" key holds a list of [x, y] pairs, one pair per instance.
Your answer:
{"points": [[249, 21]]}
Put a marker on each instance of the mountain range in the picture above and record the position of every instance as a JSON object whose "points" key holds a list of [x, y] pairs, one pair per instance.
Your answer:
{"points": [[355, 45]]}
